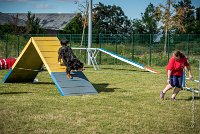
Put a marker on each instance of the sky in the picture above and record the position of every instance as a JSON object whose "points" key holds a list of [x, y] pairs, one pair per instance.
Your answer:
{"points": [[131, 8]]}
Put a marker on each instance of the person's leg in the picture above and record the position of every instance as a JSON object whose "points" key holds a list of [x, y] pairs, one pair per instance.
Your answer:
{"points": [[168, 87], [162, 93], [178, 84], [176, 91]]}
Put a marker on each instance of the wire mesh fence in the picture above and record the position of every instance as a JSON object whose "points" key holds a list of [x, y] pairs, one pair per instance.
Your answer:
{"points": [[147, 49]]}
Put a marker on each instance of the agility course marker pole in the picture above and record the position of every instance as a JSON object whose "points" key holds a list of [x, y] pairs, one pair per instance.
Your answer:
{"points": [[193, 109]]}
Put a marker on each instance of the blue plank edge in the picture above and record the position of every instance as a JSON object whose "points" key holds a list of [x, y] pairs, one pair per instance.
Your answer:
{"points": [[7, 75], [121, 57], [57, 85]]}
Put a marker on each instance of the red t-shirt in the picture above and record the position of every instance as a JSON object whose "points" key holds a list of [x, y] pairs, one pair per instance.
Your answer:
{"points": [[177, 66]]}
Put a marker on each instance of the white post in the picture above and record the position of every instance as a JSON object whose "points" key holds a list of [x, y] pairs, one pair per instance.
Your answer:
{"points": [[89, 30]]}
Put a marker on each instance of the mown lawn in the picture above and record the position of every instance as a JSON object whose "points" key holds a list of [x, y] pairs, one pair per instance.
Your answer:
{"points": [[128, 103]]}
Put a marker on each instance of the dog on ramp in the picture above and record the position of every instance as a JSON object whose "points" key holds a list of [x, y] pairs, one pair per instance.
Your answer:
{"points": [[69, 59]]}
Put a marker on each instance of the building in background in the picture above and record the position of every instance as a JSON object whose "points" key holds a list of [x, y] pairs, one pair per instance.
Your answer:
{"points": [[51, 22]]}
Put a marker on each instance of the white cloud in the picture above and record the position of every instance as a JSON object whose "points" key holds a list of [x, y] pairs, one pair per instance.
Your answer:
{"points": [[43, 6]]}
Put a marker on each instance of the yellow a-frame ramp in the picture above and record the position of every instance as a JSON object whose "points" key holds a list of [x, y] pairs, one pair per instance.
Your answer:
{"points": [[44, 50]]}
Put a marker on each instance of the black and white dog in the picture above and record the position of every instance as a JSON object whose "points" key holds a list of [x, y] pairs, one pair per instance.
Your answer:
{"points": [[69, 59]]}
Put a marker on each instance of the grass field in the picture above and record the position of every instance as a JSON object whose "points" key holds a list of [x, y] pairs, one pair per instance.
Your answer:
{"points": [[128, 103]]}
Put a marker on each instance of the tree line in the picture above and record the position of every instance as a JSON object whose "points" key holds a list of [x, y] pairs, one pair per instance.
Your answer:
{"points": [[181, 17]]}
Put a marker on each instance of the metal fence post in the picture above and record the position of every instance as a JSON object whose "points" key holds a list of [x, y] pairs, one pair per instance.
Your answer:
{"points": [[132, 41], [85, 47], [115, 49], [17, 45], [188, 39], [168, 46], [150, 50], [199, 77], [100, 47], [6, 45], [70, 38]]}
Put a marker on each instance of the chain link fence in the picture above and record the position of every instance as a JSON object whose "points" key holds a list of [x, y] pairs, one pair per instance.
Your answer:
{"points": [[147, 49]]}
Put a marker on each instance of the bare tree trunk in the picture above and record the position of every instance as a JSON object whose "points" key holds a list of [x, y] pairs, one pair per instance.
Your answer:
{"points": [[166, 25], [84, 24], [165, 44]]}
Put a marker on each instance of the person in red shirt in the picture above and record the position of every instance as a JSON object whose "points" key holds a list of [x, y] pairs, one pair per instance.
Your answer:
{"points": [[174, 71]]}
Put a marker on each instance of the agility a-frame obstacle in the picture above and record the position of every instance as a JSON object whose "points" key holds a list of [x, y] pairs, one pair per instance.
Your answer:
{"points": [[44, 50]]}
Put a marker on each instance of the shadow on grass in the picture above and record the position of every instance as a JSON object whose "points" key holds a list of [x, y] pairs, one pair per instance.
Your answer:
{"points": [[195, 98], [88, 67], [120, 69], [51, 83], [11, 93], [190, 98], [103, 87]]}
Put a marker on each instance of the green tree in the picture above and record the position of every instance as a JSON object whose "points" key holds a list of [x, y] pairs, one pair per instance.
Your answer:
{"points": [[188, 17], [33, 25], [149, 19], [74, 26], [6, 28], [138, 26], [172, 17], [197, 20], [109, 19]]}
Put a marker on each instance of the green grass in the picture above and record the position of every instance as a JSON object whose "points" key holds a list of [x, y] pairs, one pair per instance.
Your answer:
{"points": [[128, 102]]}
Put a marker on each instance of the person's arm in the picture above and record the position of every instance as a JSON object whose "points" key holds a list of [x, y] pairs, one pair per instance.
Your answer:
{"points": [[189, 71], [170, 67], [169, 72]]}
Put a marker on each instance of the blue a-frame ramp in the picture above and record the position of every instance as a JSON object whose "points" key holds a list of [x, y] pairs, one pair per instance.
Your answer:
{"points": [[79, 85], [44, 50]]}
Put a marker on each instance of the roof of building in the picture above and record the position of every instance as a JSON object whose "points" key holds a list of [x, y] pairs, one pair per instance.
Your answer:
{"points": [[5, 18], [54, 21]]}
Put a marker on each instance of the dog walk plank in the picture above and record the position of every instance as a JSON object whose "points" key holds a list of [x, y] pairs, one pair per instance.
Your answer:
{"points": [[126, 60], [79, 85]]}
